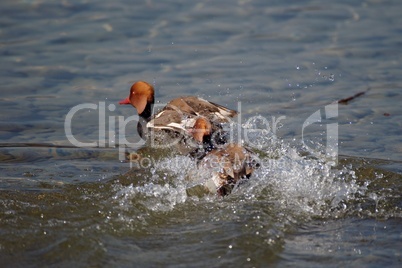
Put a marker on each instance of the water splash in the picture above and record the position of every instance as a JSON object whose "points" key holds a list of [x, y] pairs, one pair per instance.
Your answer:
{"points": [[154, 197], [304, 185], [300, 184]]}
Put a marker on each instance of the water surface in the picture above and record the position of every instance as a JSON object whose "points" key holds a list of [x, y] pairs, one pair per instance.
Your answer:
{"points": [[62, 205]]}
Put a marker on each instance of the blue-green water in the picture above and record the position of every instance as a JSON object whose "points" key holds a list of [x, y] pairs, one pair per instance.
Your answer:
{"points": [[283, 61]]}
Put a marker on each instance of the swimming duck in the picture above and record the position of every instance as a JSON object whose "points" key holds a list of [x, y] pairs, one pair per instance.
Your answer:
{"points": [[229, 163], [177, 117]]}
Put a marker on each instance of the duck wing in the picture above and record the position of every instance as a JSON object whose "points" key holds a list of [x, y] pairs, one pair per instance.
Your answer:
{"points": [[195, 106]]}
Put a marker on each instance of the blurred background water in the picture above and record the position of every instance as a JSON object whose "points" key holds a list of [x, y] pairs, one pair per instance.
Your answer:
{"points": [[64, 206]]}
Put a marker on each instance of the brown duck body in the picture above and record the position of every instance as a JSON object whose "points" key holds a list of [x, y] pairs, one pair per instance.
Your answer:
{"points": [[229, 165]]}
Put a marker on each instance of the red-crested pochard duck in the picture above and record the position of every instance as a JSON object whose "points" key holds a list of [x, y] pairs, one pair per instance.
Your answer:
{"points": [[178, 116], [229, 163]]}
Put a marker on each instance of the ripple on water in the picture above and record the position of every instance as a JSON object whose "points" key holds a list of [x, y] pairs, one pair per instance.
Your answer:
{"points": [[165, 201]]}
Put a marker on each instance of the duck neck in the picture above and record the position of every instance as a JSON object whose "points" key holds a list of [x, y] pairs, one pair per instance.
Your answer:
{"points": [[145, 117], [146, 114], [141, 128]]}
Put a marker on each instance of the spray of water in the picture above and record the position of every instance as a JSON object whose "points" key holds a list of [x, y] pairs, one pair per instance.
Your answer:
{"points": [[302, 185]]}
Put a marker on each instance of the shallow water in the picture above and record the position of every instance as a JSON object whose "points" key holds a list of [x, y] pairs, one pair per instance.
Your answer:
{"points": [[278, 61]]}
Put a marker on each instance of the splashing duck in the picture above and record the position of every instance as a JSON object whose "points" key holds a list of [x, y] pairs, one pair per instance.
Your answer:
{"points": [[230, 163]]}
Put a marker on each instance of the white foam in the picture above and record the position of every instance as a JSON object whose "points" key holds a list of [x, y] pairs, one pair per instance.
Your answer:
{"points": [[299, 183]]}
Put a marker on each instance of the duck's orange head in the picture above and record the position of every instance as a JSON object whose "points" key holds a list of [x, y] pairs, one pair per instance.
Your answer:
{"points": [[202, 127], [141, 93]]}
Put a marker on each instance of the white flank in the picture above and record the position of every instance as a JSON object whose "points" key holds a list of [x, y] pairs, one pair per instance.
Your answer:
{"points": [[184, 125], [224, 112], [159, 114], [176, 126], [219, 115]]}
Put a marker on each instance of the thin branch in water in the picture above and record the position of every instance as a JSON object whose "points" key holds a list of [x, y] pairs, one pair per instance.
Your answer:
{"points": [[347, 100]]}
